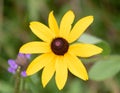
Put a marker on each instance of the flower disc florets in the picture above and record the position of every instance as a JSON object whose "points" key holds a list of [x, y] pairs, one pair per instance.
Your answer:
{"points": [[59, 46]]}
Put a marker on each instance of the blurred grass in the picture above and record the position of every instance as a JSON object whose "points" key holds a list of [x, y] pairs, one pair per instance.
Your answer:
{"points": [[15, 16]]}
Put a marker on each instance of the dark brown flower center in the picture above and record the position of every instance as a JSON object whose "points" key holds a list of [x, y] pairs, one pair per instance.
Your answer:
{"points": [[59, 46]]}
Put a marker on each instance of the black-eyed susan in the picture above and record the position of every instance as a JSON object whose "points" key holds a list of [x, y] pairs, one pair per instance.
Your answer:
{"points": [[58, 52]]}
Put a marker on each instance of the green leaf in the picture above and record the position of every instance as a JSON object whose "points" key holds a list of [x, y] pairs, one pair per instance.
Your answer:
{"points": [[5, 87], [105, 68], [87, 38]]}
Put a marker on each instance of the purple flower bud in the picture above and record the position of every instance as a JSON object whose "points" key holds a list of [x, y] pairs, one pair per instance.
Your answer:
{"points": [[12, 64], [28, 56], [11, 70], [23, 73], [20, 55], [21, 61]]}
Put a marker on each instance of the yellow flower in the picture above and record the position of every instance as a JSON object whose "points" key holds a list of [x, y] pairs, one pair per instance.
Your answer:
{"points": [[58, 50]]}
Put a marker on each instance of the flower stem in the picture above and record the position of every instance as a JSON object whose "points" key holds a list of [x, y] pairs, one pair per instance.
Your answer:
{"points": [[23, 85], [17, 81]]}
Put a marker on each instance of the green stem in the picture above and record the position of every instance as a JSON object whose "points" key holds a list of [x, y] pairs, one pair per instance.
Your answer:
{"points": [[17, 81], [23, 85]]}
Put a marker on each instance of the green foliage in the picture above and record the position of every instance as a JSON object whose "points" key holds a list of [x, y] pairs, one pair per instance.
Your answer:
{"points": [[105, 68], [76, 86], [15, 17], [5, 87], [105, 46]]}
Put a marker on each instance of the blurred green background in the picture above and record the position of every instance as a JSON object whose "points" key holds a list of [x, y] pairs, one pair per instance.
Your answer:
{"points": [[15, 16]]}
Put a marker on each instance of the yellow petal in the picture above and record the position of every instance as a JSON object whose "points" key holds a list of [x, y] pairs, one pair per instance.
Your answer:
{"points": [[79, 28], [42, 31], [39, 62], [66, 23], [35, 47], [84, 50], [53, 24], [76, 67], [48, 72], [61, 72]]}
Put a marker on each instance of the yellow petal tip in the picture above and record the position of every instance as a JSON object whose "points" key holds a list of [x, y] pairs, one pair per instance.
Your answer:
{"points": [[21, 50], [34, 23], [91, 18], [60, 88], [28, 73], [70, 11], [100, 50], [85, 78], [44, 85], [51, 12]]}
